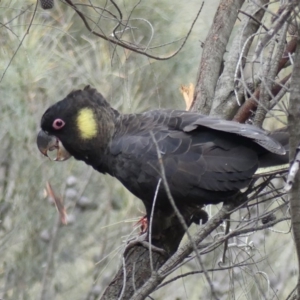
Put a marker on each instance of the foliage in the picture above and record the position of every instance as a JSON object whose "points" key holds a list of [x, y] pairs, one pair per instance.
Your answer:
{"points": [[46, 54]]}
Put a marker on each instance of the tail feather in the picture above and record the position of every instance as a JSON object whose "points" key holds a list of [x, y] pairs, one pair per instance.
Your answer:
{"points": [[271, 162]]}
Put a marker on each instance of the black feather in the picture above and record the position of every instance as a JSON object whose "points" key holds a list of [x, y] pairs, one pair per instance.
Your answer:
{"points": [[206, 160]]}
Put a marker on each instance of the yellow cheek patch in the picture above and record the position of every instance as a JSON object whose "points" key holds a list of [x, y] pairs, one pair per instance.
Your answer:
{"points": [[86, 123]]}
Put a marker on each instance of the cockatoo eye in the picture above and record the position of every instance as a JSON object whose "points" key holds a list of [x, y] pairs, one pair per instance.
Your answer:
{"points": [[58, 124]]}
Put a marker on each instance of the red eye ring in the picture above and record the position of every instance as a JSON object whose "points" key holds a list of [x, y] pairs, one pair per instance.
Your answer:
{"points": [[58, 124]]}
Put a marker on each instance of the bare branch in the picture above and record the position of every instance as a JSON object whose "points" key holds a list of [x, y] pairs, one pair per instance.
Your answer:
{"points": [[270, 68], [285, 13], [250, 105], [21, 42], [128, 46]]}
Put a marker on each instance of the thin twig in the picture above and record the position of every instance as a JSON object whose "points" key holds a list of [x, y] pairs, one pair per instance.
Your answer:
{"points": [[151, 221], [255, 19], [21, 42], [127, 46]]}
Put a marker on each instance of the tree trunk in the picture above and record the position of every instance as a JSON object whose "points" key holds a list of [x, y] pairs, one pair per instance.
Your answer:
{"points": [[294, 131]]}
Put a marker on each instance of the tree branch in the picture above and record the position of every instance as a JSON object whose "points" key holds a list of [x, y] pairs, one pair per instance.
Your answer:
{"points": [[184, 251], [213, 52], [224, 105], [126, 45], [294, 131]]}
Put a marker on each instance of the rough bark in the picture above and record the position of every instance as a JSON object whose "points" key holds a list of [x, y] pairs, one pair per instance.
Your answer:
{"points": [[140, 264], [213, 52], [224, 105], [138, 271]]}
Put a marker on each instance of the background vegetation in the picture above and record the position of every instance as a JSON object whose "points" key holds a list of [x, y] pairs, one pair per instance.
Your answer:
{"points": [[43, 56]]}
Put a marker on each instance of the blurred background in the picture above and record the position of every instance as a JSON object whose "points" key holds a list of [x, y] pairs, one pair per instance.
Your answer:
{"points": [[44, 54]]}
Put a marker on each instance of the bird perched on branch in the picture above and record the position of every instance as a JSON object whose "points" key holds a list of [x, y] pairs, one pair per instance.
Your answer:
{"points": [[206, 160]]}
